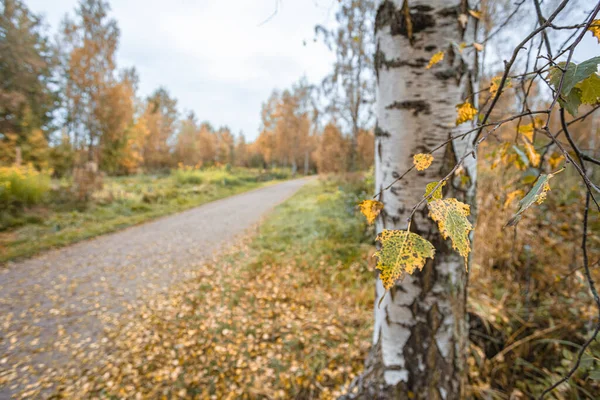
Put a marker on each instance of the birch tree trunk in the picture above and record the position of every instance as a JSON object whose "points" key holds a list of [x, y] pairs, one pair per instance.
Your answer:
{"points": [[420, 331]]}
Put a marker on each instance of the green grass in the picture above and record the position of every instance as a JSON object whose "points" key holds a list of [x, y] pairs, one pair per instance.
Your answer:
{"points": [[123, 202]]}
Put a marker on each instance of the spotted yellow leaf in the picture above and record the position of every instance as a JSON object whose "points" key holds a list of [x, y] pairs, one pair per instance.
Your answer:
{"points": [[466, 112], [451, 217], [401, 253], [437, 195], [537, 194], [595, 29], [436, 58], [422, 161], [371, 209], [495, 84]]}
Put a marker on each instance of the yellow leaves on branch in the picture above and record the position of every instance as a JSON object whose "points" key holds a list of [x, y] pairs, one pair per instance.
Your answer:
{"points": [[451, 217], [595, 29], [371, 209], [537, 194], [401, 252], [422, 161], [466, 112], [436, 58]]}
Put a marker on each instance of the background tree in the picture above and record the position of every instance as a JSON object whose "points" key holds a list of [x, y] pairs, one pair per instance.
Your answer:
{"points": [[116, 124], [350, 87], [161, 121], [89, 45], [332, 151], [187, 149], [27, 99]]}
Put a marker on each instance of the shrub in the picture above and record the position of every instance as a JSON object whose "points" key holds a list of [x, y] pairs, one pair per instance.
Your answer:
{"points": [[23, 185]]}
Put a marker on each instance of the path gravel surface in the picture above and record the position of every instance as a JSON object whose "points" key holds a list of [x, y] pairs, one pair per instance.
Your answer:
{"points": [[54, 305]]}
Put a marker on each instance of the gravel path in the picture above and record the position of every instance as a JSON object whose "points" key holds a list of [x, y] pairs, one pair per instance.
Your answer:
{"points": [[54, 305]]}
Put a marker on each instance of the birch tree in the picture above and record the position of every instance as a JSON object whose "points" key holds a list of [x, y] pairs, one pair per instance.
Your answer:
{"points": [[420, 329]]}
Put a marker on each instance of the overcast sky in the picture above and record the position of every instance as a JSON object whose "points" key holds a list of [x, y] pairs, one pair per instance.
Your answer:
{"points": [[221, 59], [214, 56]]}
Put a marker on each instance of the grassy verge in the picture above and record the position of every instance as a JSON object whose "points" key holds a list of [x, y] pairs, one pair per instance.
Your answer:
{"points": [[285, 315], [123, 202]]}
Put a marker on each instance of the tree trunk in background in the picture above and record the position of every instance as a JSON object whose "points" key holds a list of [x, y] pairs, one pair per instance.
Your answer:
{"points": [[420, 331], [306, 162]]}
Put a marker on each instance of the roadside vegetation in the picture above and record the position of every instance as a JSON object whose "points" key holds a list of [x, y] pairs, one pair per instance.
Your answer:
{"points": [[38, 212]]}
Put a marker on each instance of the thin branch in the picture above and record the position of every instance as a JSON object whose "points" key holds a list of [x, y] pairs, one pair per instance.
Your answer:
{"points": [[509, 64]]}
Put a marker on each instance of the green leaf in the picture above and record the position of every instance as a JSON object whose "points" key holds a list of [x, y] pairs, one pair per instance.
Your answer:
{"points": [[590, 90], [437, 195], [401, 253], [595, 375], [571, 102], [451, 217], [574, 74], [537, 194]]}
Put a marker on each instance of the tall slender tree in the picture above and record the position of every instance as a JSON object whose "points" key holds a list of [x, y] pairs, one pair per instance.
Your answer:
{"points": [[89, 45], [420, 330], [161, 120], [350, 86]]}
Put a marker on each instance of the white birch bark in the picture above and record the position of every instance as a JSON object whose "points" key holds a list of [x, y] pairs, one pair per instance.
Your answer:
{"points": [[420, 330]]}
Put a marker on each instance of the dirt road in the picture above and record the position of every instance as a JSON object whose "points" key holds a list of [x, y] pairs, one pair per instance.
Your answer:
{"points": [[54, 305]]}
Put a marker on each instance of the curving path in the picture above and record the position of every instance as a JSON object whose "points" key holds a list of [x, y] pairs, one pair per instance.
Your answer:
{"points": [[55, 304]]}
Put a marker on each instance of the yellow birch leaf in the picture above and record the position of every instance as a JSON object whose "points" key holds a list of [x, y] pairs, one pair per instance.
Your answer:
{"points": [[461, 47], [451, 217], [475, 14], [533, 156], [527, 131], [401, 253], [422, 161], [478, 46], [371, 209], [595, 29], [436, 58], [466, 112]]}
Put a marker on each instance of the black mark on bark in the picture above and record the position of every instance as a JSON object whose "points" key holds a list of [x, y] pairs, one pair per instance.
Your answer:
{"points": [[420, 16], [380, 132], [418, 106]]}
